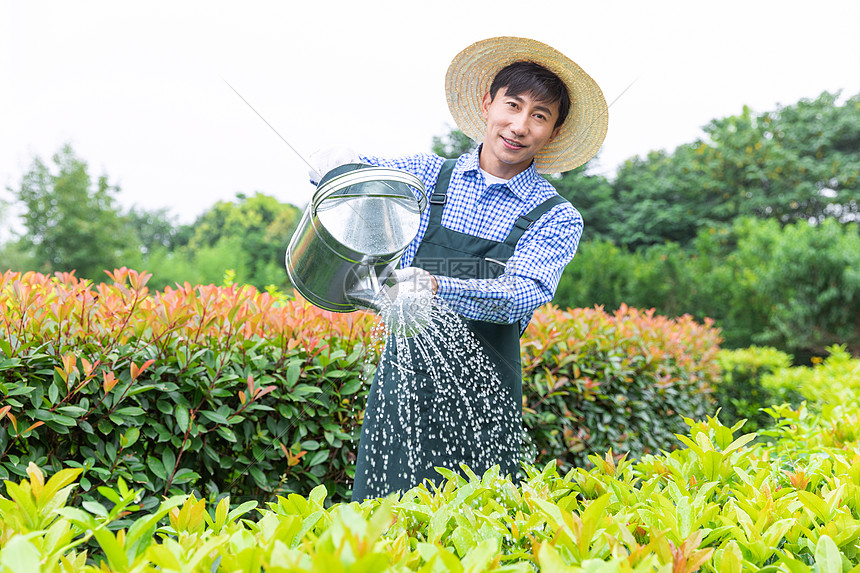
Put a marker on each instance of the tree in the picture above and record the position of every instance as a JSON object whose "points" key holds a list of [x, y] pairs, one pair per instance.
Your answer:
{"points": [[158, 229], [252, 234], [72, 224], [797, 163], [592, 195], [814, 285], [452, 145]]}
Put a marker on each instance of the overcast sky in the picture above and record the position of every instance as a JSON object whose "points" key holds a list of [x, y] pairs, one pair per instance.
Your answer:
{"points": [[137, 88]]}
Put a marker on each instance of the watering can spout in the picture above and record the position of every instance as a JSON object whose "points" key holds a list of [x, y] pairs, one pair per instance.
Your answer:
{"points": [[366, 292], [365, 299]]}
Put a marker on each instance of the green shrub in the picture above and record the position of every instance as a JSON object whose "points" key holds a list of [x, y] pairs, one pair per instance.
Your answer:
{"points": [[831, 382], [720, 503], [739, 391], [210, 389], [217, 390], [623, 381]]}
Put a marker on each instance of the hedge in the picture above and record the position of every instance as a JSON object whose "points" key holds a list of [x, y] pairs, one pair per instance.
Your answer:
{"points": [[754, 378], [720, 504], [228, 390], [625, 381], [739, 390]]}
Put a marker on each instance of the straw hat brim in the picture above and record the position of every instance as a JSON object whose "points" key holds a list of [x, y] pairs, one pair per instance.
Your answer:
{"points": [[472, 71]]}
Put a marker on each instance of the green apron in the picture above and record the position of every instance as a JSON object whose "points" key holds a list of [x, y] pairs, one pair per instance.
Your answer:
{"points": [[403, 436]]}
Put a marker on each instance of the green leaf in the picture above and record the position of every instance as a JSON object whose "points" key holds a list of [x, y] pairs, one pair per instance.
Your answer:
{"points": [[685, 517], [95, 508], [140, 389], [827, 556], [226, 433], [140, 529], [480, 557], [156, 467], [168, 458], [318, 494], [181, 413], [71, 410], [19, 555], [463, 539], [318, 458], [794, 565], [743, 440], [62, 420], [53, 393], [130, 437], [590, 520], [6, 348], [814, 503], [293, 372], [722, 436], [259, 476], [307, 524], [185, 475], [131, 411], [214, 417], [351, 387], [241, 510], [711, 462]]}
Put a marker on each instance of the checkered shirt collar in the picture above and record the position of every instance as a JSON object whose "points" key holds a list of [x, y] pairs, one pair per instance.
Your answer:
{"points": [[520, 185]]}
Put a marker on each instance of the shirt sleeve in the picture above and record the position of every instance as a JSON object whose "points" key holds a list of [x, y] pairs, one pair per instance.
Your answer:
{"points": [[531, 274]]}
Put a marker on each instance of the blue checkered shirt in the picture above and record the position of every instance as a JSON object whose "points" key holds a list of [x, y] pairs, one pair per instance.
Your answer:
{"points": [[489, 211]]}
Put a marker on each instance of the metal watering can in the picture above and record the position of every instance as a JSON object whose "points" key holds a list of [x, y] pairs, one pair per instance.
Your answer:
{"points": [[353, 233]]}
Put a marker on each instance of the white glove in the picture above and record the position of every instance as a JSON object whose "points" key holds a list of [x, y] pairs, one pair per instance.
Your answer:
{"points": [[411, 280], [406, 303], [324, 160]]}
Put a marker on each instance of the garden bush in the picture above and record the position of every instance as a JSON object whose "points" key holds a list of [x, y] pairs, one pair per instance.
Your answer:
{"points": [[624, 381], [794, 286], [220, 389], [739, 391], [721, 503], [830, 382], [228, 390]]}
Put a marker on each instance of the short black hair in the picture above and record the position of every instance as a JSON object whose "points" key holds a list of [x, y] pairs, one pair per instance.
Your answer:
{"points": [[530, 78]]}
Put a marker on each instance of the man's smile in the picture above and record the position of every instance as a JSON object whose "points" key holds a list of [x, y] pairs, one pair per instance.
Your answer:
{"points": [[512, 143]]}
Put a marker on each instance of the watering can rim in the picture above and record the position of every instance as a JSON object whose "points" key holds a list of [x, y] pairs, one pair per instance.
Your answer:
{"points": [[363, 173]]}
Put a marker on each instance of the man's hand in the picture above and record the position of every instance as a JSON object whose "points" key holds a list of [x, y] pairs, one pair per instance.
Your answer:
{"points": [[324, 160], [412, 280], [406, 302]]}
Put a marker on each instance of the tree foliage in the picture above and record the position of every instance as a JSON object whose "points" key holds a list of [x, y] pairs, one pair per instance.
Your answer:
{"points": [[157, 229], [795, 286], [592, 195], [798, 163], [72, 223], [251, 233], [453, 144]]}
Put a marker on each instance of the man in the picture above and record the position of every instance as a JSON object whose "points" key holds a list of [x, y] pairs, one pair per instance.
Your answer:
{"points": [[492, 245]]}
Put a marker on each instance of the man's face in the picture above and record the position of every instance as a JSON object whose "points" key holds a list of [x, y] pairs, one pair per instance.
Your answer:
{"points": [[517, 129]]}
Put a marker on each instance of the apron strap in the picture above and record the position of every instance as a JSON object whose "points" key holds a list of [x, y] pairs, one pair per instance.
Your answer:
{"points": [[437, 198], [525, 221]]}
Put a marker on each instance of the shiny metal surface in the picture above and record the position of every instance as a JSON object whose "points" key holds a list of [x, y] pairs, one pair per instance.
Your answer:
{"points": [[352, 235]]}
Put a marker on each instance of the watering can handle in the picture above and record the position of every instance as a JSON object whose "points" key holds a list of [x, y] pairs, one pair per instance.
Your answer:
{"points": [[367, 175]]}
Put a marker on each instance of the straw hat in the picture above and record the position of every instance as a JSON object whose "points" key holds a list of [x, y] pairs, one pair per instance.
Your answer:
{"points": [[473, 70]]}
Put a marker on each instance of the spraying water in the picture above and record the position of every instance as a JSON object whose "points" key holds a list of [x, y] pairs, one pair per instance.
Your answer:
{"points": [[448, 402]]}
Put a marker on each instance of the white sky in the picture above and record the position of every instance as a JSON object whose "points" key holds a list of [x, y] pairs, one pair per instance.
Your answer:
{"points": [[137, 88]]}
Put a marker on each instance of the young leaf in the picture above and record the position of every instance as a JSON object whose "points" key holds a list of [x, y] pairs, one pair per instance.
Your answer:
{"points": [[827, 556]]}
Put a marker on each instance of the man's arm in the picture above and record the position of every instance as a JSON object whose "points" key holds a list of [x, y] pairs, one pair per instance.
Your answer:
{"points": [[531, 275]]}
